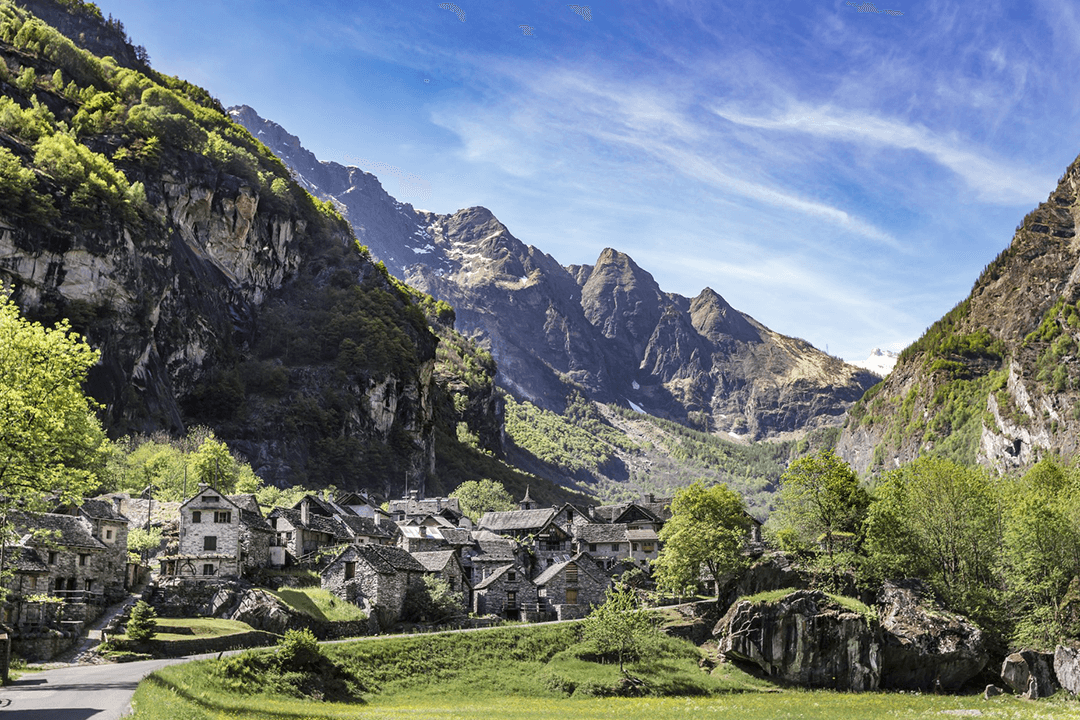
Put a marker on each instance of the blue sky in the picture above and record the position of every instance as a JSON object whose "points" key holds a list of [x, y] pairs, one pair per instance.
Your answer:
{"points": [[841, 176]]}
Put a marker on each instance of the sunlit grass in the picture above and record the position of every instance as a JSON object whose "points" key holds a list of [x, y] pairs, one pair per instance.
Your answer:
{"points": [[319, 603]]}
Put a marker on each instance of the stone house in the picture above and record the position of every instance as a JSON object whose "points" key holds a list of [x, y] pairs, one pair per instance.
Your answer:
{"points": [[220, 535], [569, 516], [658, 510], [420, 538], [374, 577], [607, 543], [110, 526], [79, 567], [365, 531], [304, 529], [487, 552], [444, 564], [407, 509], [572, 587], [517, 523], [505, 591]]}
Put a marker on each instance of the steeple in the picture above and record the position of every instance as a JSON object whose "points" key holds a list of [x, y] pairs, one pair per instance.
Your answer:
{"points": [[527, 502]]}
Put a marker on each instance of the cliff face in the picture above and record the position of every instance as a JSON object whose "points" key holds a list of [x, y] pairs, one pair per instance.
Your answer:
{"points": [[607, 329], [996, 380], [217, 291]]}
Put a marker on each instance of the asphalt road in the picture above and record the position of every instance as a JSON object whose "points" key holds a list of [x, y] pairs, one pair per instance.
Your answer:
{"points": [[78, 692]]}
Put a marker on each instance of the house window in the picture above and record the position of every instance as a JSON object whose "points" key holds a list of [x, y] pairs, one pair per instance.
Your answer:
{"points": [[511, 600], [350, 570], [88, 585], [108, 534], [592, 547], [223, 516], [511, 576], [571, 596], [209, 542], [569, 516], [209, 498], [208, 569], [33, 582], [614, 547], [52, 557], [647, 547], [571, 573], [83, 559], [196, 516], [633, 546]]}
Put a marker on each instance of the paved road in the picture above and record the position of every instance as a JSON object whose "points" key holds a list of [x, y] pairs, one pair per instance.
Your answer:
{"points": [[78, 692]]}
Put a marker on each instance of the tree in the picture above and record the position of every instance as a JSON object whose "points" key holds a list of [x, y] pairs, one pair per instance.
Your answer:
{"points": [[821, 503], [708, 527], [141, 541], [433, 600], [480, 496], [51, 444], [620, 627], [142, 625]]}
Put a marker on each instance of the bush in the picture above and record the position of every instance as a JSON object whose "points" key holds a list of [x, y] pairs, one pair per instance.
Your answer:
{"points": [[432, 601], [143, 624]]}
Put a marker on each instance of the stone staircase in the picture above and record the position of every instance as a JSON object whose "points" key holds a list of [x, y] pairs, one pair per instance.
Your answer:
{"points": [[86, 651]]}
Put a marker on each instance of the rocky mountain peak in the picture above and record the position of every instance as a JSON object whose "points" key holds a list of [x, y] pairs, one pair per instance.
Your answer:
{"points": [[623, 301], [714, 318]]}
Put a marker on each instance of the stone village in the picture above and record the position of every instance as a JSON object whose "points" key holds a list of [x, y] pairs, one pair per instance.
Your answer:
{"points": [[532, 564]]}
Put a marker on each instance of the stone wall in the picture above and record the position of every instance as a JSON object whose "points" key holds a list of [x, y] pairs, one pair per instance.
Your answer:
{"points": [[590, 589], [255, 548], [492, 600], [193, 534]]}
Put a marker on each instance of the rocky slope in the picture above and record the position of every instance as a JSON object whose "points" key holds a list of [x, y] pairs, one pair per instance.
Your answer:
{"points": [[994, 381], [218, 291], [606, 329]]}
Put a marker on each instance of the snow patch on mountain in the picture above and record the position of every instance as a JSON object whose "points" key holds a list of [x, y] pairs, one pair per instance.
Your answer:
{"points": [[881, 362]]}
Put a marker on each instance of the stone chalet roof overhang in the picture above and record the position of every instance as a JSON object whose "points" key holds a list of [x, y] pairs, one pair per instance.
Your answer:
{"points": [[549, 574], [65, 531], [436, 560], [250, 514], [643, 535], [601, 533], [102, 510], [210, 491], [516, 520], [316, 523], [498, 573], [362, 526], [385, 559], [27, 561]]}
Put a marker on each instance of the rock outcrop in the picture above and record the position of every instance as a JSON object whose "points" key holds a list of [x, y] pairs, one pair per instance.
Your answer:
{"points": [[923, 646], [804, 638], [1030, 673], [771, 571], [1067, 668]]}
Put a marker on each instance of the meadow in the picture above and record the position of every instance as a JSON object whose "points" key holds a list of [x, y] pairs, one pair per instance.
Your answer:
{"points": [[532, 672]]}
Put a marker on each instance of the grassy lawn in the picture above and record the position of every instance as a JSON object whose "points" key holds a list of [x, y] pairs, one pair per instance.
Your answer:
{"points": [[319, 604], [169, 629], [528, 672]]}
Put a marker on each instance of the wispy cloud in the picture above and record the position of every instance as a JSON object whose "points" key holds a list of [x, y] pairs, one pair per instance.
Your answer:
{"points": [[994, 180]]}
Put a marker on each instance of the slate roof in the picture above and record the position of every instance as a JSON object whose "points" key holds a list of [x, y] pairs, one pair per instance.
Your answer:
{"points": [[555, 569], [643, 535], [516, 520], [600, 533], [498, 573], [26, 560], [429, 506], [388, 560], [456, 536], [316, 523], [656, 510], [494, 550], [363, 526], [434, 561], [68, 531], [102, 510], [250, 514]]}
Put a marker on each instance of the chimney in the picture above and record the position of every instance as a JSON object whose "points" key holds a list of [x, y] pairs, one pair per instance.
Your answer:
{"points": [[650, 498], [304, 512]]}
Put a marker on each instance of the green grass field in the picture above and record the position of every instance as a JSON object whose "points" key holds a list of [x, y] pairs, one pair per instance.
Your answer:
{"points": [[187, 628], [319, 604], [527, 672]]}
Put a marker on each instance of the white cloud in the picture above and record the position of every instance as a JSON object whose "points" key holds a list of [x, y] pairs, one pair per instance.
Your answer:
{"points": [[994, 180]]}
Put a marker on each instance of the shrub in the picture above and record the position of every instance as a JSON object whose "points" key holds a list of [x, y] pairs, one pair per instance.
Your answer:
{"points": [[143, 624]]}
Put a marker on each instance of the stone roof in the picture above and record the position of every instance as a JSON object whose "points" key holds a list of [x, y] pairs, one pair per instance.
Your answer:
{"points": [[655, 509], [429, 506], [516, 520], [494, 550], [600, 533], [498, 573], [456, 536], [315, 523], [66, 530], [388, 560], [643, 535], [102, 510], [26, 560], [362, 526], [434, 561], [250, 514], [557, 568]]}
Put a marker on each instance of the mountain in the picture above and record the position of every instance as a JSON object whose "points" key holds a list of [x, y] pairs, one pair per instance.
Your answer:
{"points": [[219, 292], [995, 381], [607, 330], [880, 362]]}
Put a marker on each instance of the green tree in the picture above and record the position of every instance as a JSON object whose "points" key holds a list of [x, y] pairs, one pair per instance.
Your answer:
{"points": [[215, 466], [820, 503], [51, 444], [433, 600], [620, 627], [707, 529], [142, 625], [941, 522], [141, 541], [477, 497]]}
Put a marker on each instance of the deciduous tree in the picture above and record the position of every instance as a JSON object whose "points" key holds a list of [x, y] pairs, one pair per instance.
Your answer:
{"points": [[477, 497], [707, 529], [620, 627]]}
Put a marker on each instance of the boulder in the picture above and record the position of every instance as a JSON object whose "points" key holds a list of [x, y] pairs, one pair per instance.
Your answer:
{"points": [[1067, 668], [1030, 673], [923, 646], [804, 638], [772, 571], [264, 611]]}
